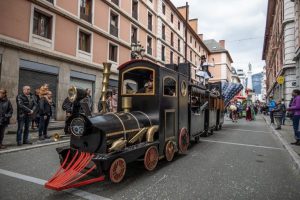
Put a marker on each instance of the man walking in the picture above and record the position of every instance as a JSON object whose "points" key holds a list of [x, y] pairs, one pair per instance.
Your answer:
{"points": [[272, 105], [26, 106]]}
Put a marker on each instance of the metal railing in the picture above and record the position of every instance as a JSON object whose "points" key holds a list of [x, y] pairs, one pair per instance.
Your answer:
{"points": [[114, 31]]}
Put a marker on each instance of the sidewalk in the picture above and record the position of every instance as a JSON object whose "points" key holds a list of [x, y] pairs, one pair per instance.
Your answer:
{"points": [[53, 125], [286, 136], [11, 144]]}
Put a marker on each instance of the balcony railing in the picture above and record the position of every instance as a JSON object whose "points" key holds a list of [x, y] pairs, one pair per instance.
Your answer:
{"points": [[149, 50], [135, 15], [115, 2], [150, 27], [85, 17], [114, 31]]}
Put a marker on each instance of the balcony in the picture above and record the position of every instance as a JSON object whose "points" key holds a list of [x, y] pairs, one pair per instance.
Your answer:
{"points": [[114, 31], [149, 50]]}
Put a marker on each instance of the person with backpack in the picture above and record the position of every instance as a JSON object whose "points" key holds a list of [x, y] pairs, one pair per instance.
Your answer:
{"points": [[278, 112], [284, 112], [272, 105]]}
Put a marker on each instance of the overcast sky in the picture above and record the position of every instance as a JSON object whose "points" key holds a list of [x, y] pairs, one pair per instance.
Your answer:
{"points": [[240, 22]]}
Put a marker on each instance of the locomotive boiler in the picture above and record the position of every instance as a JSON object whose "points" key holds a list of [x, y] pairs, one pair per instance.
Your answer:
{"points": [[160, 110]]}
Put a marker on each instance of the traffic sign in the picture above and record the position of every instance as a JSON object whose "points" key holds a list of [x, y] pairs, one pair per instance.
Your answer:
{"points": [[280, 80]]}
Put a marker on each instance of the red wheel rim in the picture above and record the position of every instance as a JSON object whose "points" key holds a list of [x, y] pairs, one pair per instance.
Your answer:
{"points": [[184, 140], [169, 151], [151, 158], [117, 170]]}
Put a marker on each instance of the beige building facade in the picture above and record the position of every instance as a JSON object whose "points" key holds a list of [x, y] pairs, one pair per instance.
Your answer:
{"points": [[64, 43], [222, 71]]}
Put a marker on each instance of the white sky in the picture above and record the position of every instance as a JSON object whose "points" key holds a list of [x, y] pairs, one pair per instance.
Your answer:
{"points": [[240, 22]]}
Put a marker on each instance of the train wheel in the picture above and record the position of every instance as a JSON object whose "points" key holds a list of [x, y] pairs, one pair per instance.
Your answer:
{"points": [[169, 151], [151, 158], [117, 170], [184, 140]]}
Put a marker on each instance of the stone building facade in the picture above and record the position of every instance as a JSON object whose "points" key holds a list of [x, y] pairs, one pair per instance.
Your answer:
{"points": [[64, 43], [279, 48], [297, 41]]}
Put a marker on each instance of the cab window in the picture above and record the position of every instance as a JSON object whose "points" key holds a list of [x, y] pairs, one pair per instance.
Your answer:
{"points": [[169, 87], [138, 81]]}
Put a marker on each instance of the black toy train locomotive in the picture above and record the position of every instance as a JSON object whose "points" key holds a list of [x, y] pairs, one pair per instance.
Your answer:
{"points": [[159, 112]]}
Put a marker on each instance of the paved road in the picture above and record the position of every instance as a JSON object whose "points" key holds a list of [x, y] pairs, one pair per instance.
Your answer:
{"points": [[243, 161]]}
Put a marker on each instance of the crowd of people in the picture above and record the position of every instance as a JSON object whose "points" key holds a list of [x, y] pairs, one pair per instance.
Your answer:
{"points": [[278, 113], [37, 109]]}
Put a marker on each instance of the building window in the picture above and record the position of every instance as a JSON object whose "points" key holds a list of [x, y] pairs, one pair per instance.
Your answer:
{"points": [[133, 34], [149, 45], [150, 21], [171, 57], [195, 44], [163, 8], [191, 39], [114, 21], [172, 39], [84, 41], [178, 25], [178, 42], [178, 60], [172, 17], [169, 87], [42, 25], [86, 10], [163, 53], [191, 55], [163, 30], [115, 2], [51, 1], [135, 9], [113, 52]]}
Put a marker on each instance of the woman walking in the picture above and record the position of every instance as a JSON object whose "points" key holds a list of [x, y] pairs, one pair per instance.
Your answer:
{"points": [[6, 111], [295, 109]]}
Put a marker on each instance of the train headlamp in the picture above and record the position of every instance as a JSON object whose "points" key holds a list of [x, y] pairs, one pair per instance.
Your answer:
{"points": [[77, 126]]}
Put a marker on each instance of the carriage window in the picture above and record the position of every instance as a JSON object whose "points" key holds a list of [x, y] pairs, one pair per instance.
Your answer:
{"points": [[169, 87], [138, 81]]}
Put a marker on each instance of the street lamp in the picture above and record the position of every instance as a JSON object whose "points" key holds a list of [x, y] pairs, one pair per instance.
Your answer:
{"points": [[137, 50]]}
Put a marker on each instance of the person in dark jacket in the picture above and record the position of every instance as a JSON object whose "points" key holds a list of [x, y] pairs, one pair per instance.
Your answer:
{"points": [[278, 112], [45, 113], [35, 116], [283, 112], [67, 106], [26, 106], [6, 111]]}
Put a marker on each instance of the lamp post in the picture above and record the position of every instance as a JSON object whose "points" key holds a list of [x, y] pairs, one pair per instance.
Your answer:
{"points": [[137, 51]]}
